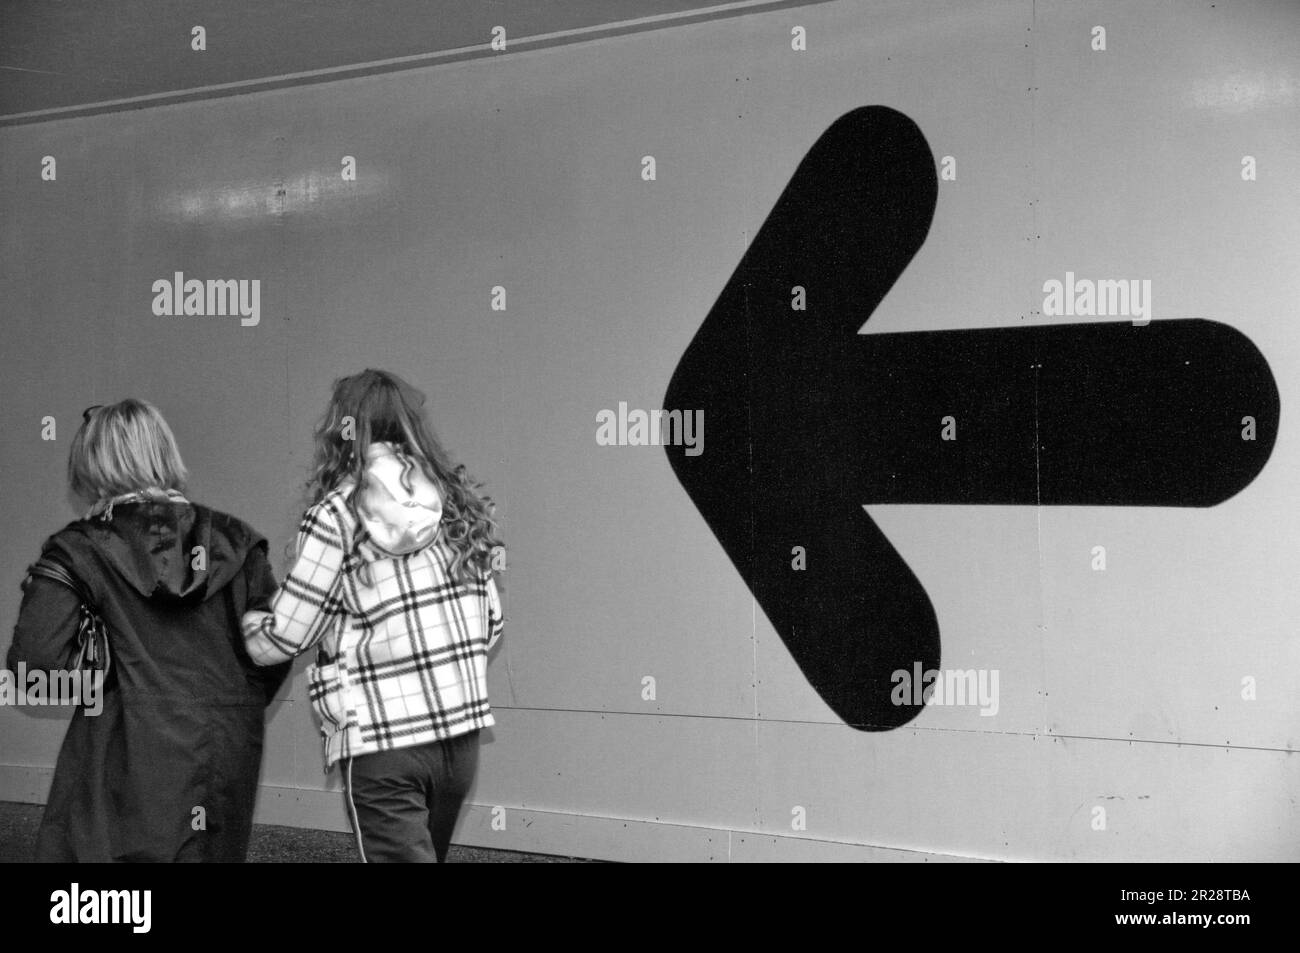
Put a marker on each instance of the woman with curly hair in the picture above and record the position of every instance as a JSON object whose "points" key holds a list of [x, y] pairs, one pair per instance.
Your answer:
{"points": [[393, 585]]}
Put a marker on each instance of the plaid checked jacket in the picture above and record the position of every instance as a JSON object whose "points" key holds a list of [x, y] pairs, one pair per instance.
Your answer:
{"points": [[403, 648]]}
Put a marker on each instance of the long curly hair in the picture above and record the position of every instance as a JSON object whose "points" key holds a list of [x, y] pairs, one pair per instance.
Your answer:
{"points": [[378, 406]]}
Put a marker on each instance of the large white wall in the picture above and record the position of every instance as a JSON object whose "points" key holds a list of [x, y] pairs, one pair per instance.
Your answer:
{"points": [[1119, 690]]}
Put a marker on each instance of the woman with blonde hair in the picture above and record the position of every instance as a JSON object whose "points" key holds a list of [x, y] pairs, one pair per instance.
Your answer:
{"points": [[393, 584], [167, 770]]}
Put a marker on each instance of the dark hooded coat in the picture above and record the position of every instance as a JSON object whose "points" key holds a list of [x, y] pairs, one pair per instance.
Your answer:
{"points": [[168, 770]]}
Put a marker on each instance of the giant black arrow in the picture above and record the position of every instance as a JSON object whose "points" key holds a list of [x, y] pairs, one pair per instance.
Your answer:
{"points": [[806, 420]]}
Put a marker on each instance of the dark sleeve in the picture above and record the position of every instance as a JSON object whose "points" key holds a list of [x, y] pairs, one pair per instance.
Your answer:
{"points": [[259, 579], [45, 636], [260, 584]]}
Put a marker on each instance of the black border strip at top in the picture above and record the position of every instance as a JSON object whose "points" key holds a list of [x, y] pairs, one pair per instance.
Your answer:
{"points": [[334, 74]]}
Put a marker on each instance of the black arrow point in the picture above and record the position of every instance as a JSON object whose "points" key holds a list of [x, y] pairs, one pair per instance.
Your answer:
{"points": [[807, 420]]}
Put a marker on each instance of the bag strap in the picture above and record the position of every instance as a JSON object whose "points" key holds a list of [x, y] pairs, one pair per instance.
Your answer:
{"points": [[50, 569], [92, 633]]}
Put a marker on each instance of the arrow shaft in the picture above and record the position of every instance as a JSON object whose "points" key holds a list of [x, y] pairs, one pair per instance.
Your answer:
{"points": [[1086, 414]]}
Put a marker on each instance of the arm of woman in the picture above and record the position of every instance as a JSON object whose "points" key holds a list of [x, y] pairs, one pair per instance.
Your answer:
{"points": [[45, 635], [309, 601], [259, 582]]}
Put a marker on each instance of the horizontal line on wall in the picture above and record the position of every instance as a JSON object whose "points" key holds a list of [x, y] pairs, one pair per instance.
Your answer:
{"points": [[750, 719], [557, 833], [540, 41], [601, 837]]}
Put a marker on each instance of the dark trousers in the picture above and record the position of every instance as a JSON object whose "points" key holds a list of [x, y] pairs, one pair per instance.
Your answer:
{"points": [[403, 803]]}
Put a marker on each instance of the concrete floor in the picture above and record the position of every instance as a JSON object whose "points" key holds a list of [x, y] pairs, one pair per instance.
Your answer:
{"points": [[270, 844]]}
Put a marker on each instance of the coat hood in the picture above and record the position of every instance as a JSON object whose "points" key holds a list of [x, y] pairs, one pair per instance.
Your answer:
{"points": [[398, 505], [174, 552]]}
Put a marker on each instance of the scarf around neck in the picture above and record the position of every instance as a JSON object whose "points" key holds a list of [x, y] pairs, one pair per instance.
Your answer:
{"points": [[104, 508]]}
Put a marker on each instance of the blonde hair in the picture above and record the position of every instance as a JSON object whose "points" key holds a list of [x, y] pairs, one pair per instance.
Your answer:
{"points": [[122, 448]]}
